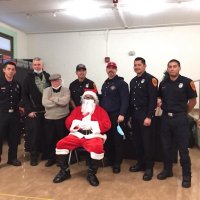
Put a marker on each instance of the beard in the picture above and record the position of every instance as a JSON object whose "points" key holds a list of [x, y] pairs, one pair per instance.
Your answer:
{"points": [[88, 106]]}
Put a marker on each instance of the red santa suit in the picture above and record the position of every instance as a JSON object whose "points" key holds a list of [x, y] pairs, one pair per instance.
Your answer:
{"points": [[87, 131]]}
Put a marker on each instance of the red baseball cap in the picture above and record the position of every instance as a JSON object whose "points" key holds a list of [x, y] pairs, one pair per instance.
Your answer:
{"points": [[112, 65]]}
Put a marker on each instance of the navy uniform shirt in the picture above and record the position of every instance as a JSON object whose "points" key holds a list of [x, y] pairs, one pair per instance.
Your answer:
{"points": [[115, 95], [143, 93], [10, 94], [77, 89], [175, 94]]}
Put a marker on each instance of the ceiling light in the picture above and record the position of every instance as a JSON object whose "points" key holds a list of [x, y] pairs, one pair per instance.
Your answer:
{"points": [[83, 9], [54, 14]]}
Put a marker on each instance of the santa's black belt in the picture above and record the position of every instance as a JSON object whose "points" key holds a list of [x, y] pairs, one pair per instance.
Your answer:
{"points": [[85, 132]]}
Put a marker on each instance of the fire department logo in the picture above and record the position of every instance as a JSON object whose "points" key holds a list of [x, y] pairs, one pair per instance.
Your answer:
{"points": [[193, 85], [154, 82], [180, 85]]}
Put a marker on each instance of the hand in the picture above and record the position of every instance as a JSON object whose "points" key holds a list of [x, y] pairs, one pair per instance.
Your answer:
{"points": [[85, 125], [120, 118], [32, 114], [147, 121]]}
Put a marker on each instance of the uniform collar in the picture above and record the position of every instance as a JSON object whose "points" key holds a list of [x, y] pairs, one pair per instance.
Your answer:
{"points": [[113, 79], [177, 80], [142, 76]]}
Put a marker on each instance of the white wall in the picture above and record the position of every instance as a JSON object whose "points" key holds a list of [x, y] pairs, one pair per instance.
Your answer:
{"points": [[20, 40], [63, 51]]}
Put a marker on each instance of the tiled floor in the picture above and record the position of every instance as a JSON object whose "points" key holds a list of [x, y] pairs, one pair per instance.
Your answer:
{"points": [[35, 183]]}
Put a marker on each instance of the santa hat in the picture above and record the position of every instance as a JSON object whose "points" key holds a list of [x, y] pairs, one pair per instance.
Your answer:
{"points": [[92, 92]]}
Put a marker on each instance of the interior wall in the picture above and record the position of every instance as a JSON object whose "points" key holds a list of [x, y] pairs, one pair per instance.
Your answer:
{"points": [[20, 40], [63, 51]]}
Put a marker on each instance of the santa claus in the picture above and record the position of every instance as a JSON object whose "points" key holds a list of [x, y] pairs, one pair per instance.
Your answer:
{"points": [[87, 124]]}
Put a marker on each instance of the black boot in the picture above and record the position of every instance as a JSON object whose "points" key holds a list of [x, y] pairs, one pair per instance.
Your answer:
{"points": [[186, 183], [64, 172], [91, 176]]}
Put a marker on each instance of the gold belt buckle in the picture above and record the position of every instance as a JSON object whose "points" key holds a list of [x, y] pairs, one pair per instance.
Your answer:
{"points": [[10, 110]]}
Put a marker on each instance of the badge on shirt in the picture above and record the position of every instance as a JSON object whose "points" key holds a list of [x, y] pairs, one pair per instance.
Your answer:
{"points": [[87, 85], [143, 80], [193, 85], [154, 82], [180, 85], [112, 87]]}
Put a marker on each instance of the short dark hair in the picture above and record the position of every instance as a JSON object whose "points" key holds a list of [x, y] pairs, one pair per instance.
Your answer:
{"points": [[174, 60], [9, 63], [141, 59]]}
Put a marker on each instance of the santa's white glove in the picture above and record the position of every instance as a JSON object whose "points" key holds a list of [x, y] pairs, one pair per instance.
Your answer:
{"points": [[85, 125]]}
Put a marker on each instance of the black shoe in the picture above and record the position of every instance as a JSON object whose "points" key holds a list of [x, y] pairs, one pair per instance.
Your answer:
{"points": [[186, 183], [50, 162], [61, 176], [116, 169], [148, 174], [34, 162], [136, 168], [14, 162], [164, 174], [93, 180]]}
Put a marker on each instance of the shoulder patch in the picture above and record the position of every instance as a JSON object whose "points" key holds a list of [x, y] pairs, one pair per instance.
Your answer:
{"points": [[94, 86], [192, 85], [154, 82]]}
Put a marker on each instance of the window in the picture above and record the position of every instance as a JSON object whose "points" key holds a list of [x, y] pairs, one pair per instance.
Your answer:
{"points": [[6, 46]]}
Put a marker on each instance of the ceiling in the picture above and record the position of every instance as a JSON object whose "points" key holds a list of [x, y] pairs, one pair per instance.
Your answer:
{"points": [[45, 16]]}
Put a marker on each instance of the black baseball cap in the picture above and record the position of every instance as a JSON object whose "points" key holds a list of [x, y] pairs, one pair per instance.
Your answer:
{"points": [[80, 66]]}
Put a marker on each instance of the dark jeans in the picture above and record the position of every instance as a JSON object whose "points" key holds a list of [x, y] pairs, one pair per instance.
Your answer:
{"points": [[34, 128], [10, 129], [176, 128]]}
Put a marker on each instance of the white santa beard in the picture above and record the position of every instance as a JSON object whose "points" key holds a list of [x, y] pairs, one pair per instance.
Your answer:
{"points": [[88, 105]]}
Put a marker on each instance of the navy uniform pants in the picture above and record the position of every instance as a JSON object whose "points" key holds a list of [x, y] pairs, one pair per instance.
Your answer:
{"points": [[114, 143], [10, 129], [176, 128], [143, 139]]}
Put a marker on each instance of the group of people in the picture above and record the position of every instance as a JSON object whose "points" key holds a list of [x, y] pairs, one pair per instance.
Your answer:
{"points": [[59, 119]]}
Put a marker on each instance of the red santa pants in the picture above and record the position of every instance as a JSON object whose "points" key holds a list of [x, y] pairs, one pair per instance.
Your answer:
{"points": [[71, 142]]}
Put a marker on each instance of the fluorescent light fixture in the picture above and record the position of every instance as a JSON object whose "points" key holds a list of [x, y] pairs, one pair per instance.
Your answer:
{"points": [[83, 9], [144, 7]]}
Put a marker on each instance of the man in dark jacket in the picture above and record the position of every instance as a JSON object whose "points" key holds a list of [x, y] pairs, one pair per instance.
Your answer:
{"points": [[80, 85], [33, 87], [115, 100]]}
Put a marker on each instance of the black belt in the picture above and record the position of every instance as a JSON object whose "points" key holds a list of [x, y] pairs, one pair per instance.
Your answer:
{"points": [[170, 114], [85, 132], [9, 110]]}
